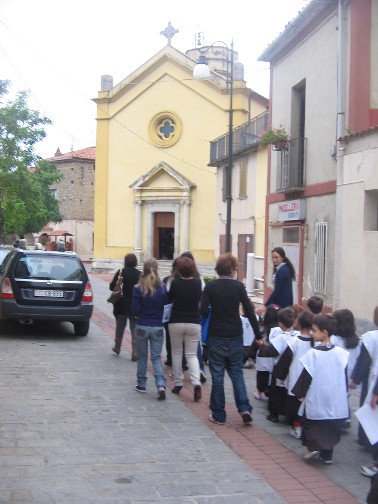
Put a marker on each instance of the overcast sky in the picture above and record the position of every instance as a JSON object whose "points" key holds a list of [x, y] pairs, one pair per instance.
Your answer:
{"points": [[58, 49]]}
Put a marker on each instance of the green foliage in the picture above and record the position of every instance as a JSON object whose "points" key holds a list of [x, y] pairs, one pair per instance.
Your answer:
{"points": [[25, 179], [273, 135], [209, 278]]}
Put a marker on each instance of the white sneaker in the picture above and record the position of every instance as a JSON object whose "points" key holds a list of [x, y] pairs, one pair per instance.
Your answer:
{"points": [[296, 432], [369, 470], [311, 455], [257, 395]]}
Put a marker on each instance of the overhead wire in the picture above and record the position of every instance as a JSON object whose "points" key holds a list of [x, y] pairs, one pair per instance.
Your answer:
{"points": [[81, 93]]}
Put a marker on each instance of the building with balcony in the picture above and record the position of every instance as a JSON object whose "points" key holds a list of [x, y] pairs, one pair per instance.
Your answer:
{"points": [[322, 196], [248, 189]]}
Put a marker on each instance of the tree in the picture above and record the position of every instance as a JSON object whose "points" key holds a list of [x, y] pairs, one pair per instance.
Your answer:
{"points": [[27, 203]]}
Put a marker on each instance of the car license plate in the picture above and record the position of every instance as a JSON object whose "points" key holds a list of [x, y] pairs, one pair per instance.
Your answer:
{"points": [[48, 293]]}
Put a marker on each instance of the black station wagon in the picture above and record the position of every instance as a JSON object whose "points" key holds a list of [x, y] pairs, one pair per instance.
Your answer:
{"points": [[44, 285]]}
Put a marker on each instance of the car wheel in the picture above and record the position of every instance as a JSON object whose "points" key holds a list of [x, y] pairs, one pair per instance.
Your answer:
{"points": [[81, 328]]}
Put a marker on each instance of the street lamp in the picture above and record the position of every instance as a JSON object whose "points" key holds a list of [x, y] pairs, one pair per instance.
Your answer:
{"points": [[202, 71]]}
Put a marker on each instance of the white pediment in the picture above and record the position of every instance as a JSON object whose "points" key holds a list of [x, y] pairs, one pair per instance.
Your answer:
{"points": [[162, 176]]}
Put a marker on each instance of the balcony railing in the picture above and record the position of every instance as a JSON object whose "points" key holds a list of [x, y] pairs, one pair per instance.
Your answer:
{"points": [[244, 137], [291, 166]]}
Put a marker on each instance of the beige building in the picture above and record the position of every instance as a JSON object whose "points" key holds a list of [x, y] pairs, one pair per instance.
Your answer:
{"points": [[155, 194], [75, 193], [356, 278], [322, 192], [248, 189]]}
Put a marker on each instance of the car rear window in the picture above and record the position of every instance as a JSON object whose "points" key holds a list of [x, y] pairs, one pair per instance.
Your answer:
{"points": [[3, 253], [4, 261], [49, 268]]}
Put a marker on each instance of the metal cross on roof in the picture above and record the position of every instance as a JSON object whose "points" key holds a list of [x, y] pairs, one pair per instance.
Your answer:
{"points": [[169, 32]]}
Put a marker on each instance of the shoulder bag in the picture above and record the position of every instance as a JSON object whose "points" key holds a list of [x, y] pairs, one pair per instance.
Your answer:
{"points": [[117, 293]]}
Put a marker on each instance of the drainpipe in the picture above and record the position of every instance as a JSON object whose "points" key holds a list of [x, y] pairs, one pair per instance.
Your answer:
{"points": [[340, 71], [339, 160]]}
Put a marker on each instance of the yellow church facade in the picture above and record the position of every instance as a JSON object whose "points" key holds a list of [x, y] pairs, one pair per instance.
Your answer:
{"points": [[155, 194]]}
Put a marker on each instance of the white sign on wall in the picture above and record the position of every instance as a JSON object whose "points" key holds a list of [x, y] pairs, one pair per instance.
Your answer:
{"points": [[292, 210]]}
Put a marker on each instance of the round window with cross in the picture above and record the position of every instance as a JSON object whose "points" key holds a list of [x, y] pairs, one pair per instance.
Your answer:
{"points": [[165, 129]]}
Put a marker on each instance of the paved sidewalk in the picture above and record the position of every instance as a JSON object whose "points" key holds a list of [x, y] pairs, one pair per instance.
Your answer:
{"points": [[269, 450]]}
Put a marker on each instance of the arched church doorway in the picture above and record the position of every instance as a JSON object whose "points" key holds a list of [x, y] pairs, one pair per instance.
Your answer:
{"points": [[164, 235]]}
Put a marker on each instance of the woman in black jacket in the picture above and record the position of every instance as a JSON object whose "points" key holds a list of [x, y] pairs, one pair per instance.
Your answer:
{"points": [[184, 325], [122, 309], [283, 277], [225, 340]]}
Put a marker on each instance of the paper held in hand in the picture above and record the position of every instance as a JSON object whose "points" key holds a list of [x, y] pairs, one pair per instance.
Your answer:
{"points": [[167, 312], [368, 418]]}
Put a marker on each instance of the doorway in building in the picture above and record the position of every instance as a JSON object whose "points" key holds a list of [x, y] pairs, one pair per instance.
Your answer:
{"points": [[291, 242], [245, 247], [164, 235]]}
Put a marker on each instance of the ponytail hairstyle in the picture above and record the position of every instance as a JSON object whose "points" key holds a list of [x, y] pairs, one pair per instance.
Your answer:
{"points": [[346, 327], [149, 280], [280, 251]]}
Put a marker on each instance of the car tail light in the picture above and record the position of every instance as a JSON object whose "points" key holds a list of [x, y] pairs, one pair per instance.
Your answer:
{"points": [[6, 290], [88, 294]]}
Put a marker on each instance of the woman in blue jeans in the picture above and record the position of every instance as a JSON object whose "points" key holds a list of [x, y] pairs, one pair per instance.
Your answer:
{"points": [[148, 300], [225, 340]]}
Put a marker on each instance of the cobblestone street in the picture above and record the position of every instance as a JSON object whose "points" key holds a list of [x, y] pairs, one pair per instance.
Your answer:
{"points": [[74, 430]]}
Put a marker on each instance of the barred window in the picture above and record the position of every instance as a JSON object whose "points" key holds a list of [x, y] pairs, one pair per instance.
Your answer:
{"points": [[321, 246]]}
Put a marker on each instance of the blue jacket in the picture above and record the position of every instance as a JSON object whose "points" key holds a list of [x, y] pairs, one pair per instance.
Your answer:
{"points": [[149, 309], [282, 294]]}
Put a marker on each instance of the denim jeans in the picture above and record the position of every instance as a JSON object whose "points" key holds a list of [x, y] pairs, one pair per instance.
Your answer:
{"points": [[154, 335], [226, 354]]}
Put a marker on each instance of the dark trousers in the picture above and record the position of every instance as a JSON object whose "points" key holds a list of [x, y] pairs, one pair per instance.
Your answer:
{"points": [[292, 407], [262, 381], [121, 322], [168, 346], [277, 399]]}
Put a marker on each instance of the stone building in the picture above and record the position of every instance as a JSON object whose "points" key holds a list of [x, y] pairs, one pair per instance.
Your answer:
{"points": [[75, 193]]}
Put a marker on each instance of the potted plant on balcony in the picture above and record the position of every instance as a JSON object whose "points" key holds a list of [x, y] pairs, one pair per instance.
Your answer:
{"points": [[278, 137]]}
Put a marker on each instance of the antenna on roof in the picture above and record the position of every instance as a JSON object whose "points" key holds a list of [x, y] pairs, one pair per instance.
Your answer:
{"points": [[199, 40]]}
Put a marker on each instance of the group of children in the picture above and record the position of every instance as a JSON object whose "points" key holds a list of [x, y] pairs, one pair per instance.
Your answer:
{"points": [[306, 362]]}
